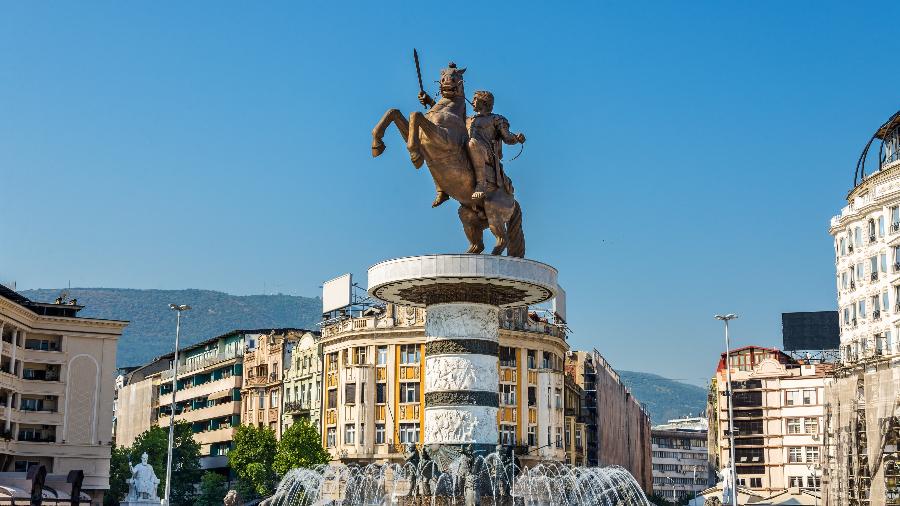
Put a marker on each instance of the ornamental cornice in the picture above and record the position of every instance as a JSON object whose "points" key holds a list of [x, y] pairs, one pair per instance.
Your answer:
{"points": [[32, 322]]}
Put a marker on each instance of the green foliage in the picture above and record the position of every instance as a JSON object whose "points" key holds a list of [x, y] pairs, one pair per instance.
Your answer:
{"points": [[300, 446], [665, 399], [118, 473], [185, 459], [151, 331], [661, 500], [213, 488], [252, 458]]}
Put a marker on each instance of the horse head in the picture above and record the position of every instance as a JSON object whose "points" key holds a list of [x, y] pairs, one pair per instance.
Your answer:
{"points": [[452, 81]]}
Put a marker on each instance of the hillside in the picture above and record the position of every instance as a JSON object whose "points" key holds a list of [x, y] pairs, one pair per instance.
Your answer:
{"points": [[152, 329], [665, 399]]}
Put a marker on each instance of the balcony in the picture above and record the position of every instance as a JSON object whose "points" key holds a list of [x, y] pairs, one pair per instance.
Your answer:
{"points": [[296, 407], [203, 389], [205, 413], [195, 365]]}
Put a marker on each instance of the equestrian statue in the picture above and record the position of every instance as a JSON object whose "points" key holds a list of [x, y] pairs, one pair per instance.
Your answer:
{"points": [[464, 156]]}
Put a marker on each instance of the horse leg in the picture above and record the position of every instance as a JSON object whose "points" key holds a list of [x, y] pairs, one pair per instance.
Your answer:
{"points": [[392, 116], [418, 122], [497, 223], [473, 226]]}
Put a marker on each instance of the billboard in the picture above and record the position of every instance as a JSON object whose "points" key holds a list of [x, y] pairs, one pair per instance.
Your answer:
{"points": [[336, 293], [817, 330], [559, 304]]}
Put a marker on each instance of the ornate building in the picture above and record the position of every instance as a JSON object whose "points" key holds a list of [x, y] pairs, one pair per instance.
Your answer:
{"points": [[374, 383], [778, 408], [56, 392], [302, 397], [863, 429]]}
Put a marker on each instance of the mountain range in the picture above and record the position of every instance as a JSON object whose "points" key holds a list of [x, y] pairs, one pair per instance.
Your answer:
{"points": [[151, 331]]}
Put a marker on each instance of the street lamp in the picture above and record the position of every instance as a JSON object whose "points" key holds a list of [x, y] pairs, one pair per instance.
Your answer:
{"points": [[178, 308], [726, 318]]}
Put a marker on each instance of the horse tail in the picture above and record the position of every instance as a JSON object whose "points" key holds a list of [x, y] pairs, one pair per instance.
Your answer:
{"points": [[515, 234]]}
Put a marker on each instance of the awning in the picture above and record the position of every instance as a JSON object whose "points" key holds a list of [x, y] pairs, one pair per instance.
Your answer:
{"points": [[221, 394]]}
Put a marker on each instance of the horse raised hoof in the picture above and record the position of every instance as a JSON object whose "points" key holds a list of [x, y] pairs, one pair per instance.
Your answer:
{"points": [[417, 159], [440, 199], [377, 148]]}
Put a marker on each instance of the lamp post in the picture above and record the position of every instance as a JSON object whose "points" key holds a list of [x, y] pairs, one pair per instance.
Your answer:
{"points": [[178, 308], [726, 318]]}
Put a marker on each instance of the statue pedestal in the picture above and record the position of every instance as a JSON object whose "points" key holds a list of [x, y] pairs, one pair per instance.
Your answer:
{"points": [[140, 502], [463, 295]]}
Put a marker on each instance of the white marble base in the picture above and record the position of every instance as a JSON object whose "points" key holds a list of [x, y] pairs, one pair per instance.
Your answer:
{"points": [[462, 320], [461, 372]]}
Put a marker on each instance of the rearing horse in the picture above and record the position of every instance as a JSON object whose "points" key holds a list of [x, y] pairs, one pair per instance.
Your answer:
{"points": [[438, 138]]}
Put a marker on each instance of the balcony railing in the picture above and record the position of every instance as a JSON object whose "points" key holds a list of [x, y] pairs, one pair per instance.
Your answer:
{"points": [[203, 363], [296, 406]]}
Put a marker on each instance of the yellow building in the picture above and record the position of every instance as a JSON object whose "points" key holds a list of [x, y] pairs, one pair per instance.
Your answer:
{"points": [[56, 392], [374, 384]]}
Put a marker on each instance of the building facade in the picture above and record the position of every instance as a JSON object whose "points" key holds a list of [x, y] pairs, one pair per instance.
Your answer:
{"points": [[56, 392], [617, 427], [574, 429], [302, 397], [680, 460], [374, 383], [778, 405], [863, 399]]}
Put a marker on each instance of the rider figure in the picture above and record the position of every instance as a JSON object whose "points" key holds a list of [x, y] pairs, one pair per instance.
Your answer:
{"points": [[486, 131]]}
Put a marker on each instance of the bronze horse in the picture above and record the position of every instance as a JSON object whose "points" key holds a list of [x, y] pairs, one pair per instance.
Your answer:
{"points": [[438, 138]]}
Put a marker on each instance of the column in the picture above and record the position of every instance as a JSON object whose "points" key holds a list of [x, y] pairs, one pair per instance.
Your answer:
{"points": [[2, 324], [9, 402], [461, 375], [15, 345]]}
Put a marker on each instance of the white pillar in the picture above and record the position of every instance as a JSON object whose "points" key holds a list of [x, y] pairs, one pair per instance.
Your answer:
{"points": [[461, 378], [15, 345], [9, 402], [2, 324]]}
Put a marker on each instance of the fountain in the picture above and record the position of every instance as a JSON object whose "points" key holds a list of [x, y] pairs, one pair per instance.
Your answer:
{"points": [[459, 461]]}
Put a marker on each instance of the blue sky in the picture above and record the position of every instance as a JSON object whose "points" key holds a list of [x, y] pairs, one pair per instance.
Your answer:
{"points": [[683, 158]]}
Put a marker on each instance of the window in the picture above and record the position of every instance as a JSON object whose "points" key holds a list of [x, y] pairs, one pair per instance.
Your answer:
{"points": [[881, 226], [330, 436], [559, 437], [557, 395], [871, 230], [332, 361], [532, 363], [379, 433], [261, 398], [409, 433], [380, 393], [883, 262], [843, 246], [350, 434], [860, 271], [545, 364], [792, 397], [795, 481], [885, 301], [409, 392], [332, 399], [857, 235], [350, 393], [508, 395], [862, 309], [755, 482], [362, 394], [507, 357], [844, 280], [811, 426], [895, 218], [274, 398], [532, 396], [21, 466], [812, 453], [793, 425], [508, 435], [795, 454], [382, 355], [409, 354], [532, 436], [809, 396]]}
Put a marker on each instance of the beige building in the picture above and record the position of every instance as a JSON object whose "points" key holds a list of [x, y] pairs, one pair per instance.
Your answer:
{"points": [[863, 399], [778, 405], [374, 384], [574, 432], [56, 392], [302, 395], [264, 371], [617, 427]]}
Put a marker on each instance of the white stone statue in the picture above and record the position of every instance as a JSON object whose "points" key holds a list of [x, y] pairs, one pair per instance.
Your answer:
{"points": [[727, 474], [142, 484]]}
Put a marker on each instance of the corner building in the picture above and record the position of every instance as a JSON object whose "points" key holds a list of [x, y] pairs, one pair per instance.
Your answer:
{"points": [[56, 393], [863, 398], [373, 394]]}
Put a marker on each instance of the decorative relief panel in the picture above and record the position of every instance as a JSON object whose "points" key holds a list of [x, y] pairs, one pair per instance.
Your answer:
{"points": [[461, 372], [462, 425], [462, 320]]}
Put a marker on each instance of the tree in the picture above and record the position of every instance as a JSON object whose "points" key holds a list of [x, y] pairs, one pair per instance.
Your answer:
{"points": [[212, 489], [185, 459], [118, 473], [300, 446], [252, 458]]}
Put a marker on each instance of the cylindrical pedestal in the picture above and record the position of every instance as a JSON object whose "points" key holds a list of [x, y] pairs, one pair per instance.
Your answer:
{"points": [[461, 380]]}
